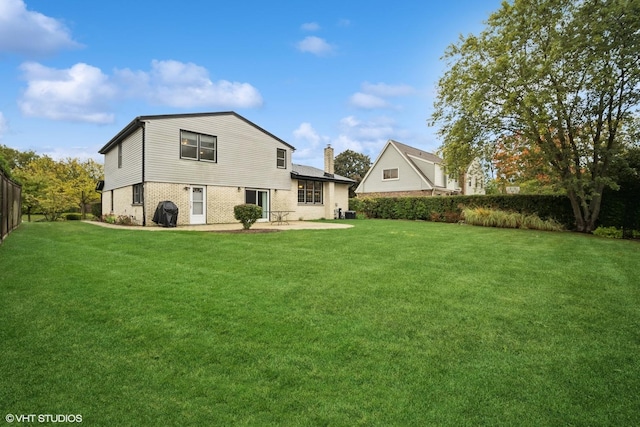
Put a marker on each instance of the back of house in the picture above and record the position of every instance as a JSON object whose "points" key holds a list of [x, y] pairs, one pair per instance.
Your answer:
{"points": [[205, 163]]}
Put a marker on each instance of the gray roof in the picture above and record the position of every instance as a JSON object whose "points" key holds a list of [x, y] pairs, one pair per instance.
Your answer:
{"points": [[410, 151], [309, 172]]}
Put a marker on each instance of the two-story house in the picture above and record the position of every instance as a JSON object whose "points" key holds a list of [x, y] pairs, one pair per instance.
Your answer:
{"points": [[207, 163], [401, 170]]}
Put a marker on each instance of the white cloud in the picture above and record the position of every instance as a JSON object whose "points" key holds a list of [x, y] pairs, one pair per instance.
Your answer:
{"points": [[365, 137], [367, 101], [78, 152], [26, 32], [85, 93], [315, 45], [308, 142], [383, 89], [307, 133], [344, 23], [186, 85], [310, 26], [79, 93], [373, 96]]}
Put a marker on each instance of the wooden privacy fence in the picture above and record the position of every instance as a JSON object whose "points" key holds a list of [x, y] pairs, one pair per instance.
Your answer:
{"points": [[10, 205]]}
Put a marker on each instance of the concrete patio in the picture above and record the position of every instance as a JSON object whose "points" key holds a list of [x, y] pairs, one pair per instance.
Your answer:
{"points": [[271, 226]]}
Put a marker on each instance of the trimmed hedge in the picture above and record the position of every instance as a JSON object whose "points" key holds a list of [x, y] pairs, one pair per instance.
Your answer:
{"points": [[619, 209]]}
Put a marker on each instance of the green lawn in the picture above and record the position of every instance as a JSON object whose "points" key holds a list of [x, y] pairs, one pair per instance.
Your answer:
{"points": [[388, 323]]}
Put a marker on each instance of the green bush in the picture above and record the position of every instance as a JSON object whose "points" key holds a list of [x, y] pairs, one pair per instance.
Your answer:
{"points": [[445, 208], [109, 219], [73, 217], [247, 214], [609, 232]]}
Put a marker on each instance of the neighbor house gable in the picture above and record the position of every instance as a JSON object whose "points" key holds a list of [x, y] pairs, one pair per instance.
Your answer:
{"points": [[412, 175]]}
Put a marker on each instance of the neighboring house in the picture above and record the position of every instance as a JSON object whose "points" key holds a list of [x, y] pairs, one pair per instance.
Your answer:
{"points": [[401, 170], [207, 163]]}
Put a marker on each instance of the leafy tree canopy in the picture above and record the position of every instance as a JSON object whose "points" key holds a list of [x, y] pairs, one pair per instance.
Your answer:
{"points": [[53, 187], [17, 159], [563, 75], [352, 165]]}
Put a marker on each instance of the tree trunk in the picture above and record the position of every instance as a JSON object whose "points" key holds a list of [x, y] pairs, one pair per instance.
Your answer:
{"points": [[577, 212]]}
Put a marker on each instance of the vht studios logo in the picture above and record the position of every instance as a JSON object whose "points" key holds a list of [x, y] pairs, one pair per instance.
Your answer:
{"points": [[43, 418]]}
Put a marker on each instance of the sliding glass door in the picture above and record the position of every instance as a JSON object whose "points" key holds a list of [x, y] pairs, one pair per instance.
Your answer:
{"points": [[260, 198]]}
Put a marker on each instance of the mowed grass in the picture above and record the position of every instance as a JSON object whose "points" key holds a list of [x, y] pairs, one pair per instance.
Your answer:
{"points": [[387, 323]]}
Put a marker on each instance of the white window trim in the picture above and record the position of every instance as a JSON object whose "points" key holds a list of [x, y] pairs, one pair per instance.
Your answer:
{"points": [[278, 158]]}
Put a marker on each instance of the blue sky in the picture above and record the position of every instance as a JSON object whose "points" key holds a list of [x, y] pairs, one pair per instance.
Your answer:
{"points": [[352, 74]]}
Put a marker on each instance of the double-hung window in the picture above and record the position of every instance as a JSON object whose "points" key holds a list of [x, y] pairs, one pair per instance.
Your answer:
{"points": [[138, 194], [281, 158], [197, 146]]}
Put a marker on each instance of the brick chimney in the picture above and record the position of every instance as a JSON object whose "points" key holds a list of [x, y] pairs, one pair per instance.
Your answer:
{"points": [[328, 160]]}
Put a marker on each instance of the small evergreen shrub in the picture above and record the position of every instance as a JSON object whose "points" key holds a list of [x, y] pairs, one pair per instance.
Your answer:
{"points": [[247, 214], [73, 217]]}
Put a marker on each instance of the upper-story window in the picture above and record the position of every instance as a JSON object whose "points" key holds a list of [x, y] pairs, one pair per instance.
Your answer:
{"points": [[119, 156], [390, 173], [197, 146], [281, 158]]}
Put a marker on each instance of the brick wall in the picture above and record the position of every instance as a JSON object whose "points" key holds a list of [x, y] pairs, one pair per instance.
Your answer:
{"points": [[122, 204]]}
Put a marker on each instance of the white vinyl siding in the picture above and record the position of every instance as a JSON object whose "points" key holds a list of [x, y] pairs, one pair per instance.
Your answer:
{"points": [[408, 179], [244, 154], [131, 171]]}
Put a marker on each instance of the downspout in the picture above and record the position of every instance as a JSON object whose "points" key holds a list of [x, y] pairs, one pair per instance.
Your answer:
{"points": [[144, 195]]}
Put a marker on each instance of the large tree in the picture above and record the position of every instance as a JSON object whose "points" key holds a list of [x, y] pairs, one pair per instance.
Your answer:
{"points": [[83, 175], [52, 187], [564, 74], [352, 165]]}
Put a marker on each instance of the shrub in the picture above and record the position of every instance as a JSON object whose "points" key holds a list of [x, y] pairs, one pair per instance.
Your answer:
{"points": [[124, 220], [73, 217], [96, 209], [609, 232], [451, 216], [435, 208], [247, 214], [109, 219]]}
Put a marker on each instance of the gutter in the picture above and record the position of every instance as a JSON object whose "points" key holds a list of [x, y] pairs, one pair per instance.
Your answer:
{"points": [[144, 196]]}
